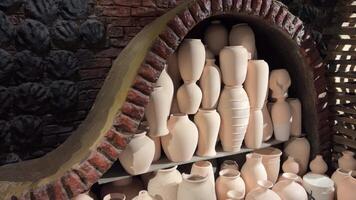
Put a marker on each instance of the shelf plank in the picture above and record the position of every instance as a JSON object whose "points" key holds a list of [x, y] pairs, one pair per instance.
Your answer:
{"points": [[117, 172]]}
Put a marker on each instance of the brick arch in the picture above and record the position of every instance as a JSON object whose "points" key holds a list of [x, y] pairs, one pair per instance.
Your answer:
{"points": [[117, 130]]}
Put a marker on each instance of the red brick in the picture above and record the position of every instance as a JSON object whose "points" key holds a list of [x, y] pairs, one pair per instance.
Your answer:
{"points": [[228, 5], [72, 184], [256, 6], [170, 37], [132, 110], [149, 73], [99, 161], [155, 61], [40, 193], [273, 12], [266, 6], [109, 150], [143, 85], [118, 11], [160, 48], [148, 3], [247, 6], [88, 174], [137, 97], [187, 19], [288, 25], [127, 2], [237, 5], [118, 140], [115, 31], [197, 13], [109, 53], [57, 191], [106, 2], [282, 13], [145, 12], [125, 123], [178, 27], [217, 6], [205, 6]]}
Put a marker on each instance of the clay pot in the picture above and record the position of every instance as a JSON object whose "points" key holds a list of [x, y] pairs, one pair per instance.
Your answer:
{"points": [[208, 53], [346, 189], [84, 196], [128, 187], [281, 120], [279, 82], [338, 177], [138, 154], [191, 59], [210, 84], [271, 159], [233, 64], [173, 70], [143, 195], [262, 192], [180, 144], [286, 175], [267, 123], [253, 171], [347, 161], [318, 165], [157, 112], [203, 168], [319, 186], [229, 164], [229, 179], [189, 97], [299, 149], [164, 185], [157, 141], [216, 37], [208, 123], [114, 196], [242, 34], [194, 187], [166, 82], [289, 189], [296, 113], [235, 195], [290, 166]]}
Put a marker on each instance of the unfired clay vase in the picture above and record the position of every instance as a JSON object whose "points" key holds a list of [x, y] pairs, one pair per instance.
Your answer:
{"points": [[299, 149], [296, 112], [157, 111], [347, 161], [235, 195], [143, 195], [189, 97], [346, 189], [253, 171], [338, 177], [216, 37], [319, 186], [267, 123], [242, 34], [263, 192], [290, 166], [210, 84], [229, 179], [289, 189], [194, 187], [138, 154], [114, 196], [271, 161], [204, 168], [229, 164], [208, 123], [180, 144], [318, 165], [281, 115], [191, 59], [256, 86], [164, 185], [128, 187], [157, 141]]}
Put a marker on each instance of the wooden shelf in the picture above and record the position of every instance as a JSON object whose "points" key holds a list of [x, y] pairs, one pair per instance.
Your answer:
{"points": [[117, 172]]}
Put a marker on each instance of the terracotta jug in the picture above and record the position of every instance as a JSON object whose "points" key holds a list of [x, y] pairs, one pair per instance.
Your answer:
{"points": [[128, 187], [208, 123], [296, 112], [299, 149], [271, 159], [262, 192], [189, 97], [346, 189], [229, 179], [114, 196], [338, 177], [210, 84], [318, 165], [138, 154], [164, 185], [242, 34], [204, 168], [253, 171], [216, 37], [194, 187], [157, 141], [157, 112], [143, 195], [290, 166], [191, 59], [289, 189], [229, 164], [347, 161], [173, 70], [267, 123], [235, 195], [180, 144]]}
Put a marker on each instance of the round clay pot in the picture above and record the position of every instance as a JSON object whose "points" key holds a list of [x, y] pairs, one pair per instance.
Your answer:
{"points": [[347, 161], [180, 144], [128, 187], [216, 37], [290, 166], [319, 186], [189, 97], [208, 123], [164, 185], [271, 161], [242, 34], [262, 192], [296, 113], [194, 187], [299, 149], [191, 59], [346, 189], [235, 195], [114, 196], [318, 165], [210, 84], [229, 164], [138, 154], [253, 171], [203, 168], [289, 189], [229, 179], [143, 195]]}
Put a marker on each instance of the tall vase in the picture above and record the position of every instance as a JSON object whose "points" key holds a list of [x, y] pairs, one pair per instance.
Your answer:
{"points": [[191, 59], [189, 97], [271, 161], [242, 34], [318, 165], [289, 189], [347, 188], [194, 187], [157, 112], [263, 191], [208, 123], [253, 171], [296, 112], [299, 149], [216, 37], [138, 154], [210, 84], [347, 161], [229, 179], [180, 144], [290, 166], [204, 168], [165, 184], [267, 123], [256, 86]]}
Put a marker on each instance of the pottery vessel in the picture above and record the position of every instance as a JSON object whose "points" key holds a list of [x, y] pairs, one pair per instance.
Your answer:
{"points": [[320, 187], [290, 166], [157, 141], [194, 187], [253, 171], [289, 189], [299, 149], [267, 123], [318, 165], [143, 195], [210, 84], [164, 185], [286, 176], [229, 179], [166, 82], [216, 37], [84, 196], [189, 97], [229, 164], [338, 177], [128, 187], [242, 34], [208, 53], [138, 154], [114, 196], [208, 123], [347, 161], [262, 192], [235, 195], [279, 82], [191, 59], [271, 159], [296, 113], [173, 70], [346, 189], [203, 168], [180, 144]]}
